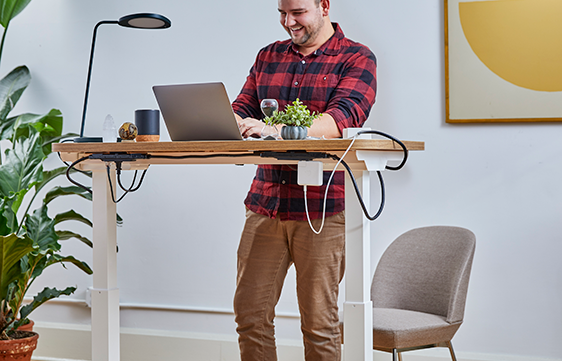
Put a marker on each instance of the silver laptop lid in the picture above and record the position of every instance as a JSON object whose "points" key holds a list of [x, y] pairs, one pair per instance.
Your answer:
{"points": [[197, 112]]}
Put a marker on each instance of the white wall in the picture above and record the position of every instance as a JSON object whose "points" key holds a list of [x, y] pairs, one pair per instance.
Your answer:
{"points": [[178, 243]]}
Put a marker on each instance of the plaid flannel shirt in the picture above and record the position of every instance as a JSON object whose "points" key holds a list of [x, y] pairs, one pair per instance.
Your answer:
{"points": [[338, 79]]}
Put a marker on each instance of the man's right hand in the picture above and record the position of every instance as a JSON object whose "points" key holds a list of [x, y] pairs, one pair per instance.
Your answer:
{"points": [[250, 127]]}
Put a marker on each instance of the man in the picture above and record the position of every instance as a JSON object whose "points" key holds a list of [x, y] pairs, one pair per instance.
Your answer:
{"points": [[335, 76]]}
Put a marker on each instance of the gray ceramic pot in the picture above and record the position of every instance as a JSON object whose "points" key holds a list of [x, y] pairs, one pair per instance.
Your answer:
{"points": [[291, 132]]}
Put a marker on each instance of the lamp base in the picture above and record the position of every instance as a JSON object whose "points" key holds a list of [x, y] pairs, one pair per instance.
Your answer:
{"points": [[88, 140]]}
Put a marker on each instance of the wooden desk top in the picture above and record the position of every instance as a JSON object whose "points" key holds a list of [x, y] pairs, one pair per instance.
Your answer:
{"points": [[73, 151], [236, 146]]}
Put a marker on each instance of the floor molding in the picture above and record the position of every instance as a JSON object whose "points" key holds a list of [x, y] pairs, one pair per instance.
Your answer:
{"points": [[69, 342]]}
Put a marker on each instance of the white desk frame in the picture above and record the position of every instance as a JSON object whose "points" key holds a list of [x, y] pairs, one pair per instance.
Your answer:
{"points": [[357, 306]]}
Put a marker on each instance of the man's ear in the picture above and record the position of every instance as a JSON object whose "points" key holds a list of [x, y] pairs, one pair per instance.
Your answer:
{"points": [[325, 6]]}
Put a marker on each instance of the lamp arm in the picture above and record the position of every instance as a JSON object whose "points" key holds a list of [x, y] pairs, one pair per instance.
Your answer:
{"points": [[90, 71]]}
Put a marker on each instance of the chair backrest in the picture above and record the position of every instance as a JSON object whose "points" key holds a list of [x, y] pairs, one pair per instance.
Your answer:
{"points": [[426, 270]]}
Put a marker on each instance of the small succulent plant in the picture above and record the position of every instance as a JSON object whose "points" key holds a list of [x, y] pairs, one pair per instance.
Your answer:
{"points": [[296, 114]]}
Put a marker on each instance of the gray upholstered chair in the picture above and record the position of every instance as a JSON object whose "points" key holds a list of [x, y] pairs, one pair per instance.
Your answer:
{"points": [[419, 289]]}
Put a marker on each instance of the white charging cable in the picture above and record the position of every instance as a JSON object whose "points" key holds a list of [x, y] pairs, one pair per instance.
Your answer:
{"points": [[326, 193]]}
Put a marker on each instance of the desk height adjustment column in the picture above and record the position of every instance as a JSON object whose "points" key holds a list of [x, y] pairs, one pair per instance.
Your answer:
{"points": [[357, 308], [105, 294]]}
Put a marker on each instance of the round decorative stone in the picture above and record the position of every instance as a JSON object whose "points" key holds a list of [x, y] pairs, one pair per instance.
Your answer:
{"points": [[128, 131]]}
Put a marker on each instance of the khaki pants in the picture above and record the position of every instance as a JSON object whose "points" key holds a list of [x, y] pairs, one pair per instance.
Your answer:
{"points": [[268, 247]]}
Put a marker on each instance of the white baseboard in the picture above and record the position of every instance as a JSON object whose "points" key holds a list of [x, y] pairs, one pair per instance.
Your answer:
{"points": [[66, 342]]}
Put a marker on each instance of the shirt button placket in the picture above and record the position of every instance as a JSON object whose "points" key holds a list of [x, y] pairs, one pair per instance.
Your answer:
{"points": [[297, 80], [302, 70]]}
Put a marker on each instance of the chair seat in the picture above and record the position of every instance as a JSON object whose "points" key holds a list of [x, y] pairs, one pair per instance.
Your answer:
{"points": [[394, 328]]}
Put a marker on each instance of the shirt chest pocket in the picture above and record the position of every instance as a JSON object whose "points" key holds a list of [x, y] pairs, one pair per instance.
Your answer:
{"points": [[320, 87]]}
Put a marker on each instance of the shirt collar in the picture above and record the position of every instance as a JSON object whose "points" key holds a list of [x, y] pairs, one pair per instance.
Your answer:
{"points": [[330, 47]]}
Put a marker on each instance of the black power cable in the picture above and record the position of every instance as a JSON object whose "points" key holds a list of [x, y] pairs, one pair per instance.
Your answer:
{"points": [[358, 193], [201, 156], [72, 180], [131, 189], [379, 174], [402, 145], [118, 159]]}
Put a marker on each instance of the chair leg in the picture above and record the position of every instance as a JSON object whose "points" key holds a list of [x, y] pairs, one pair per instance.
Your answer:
{"points": [[399, 356], [395, 355], [450, 346]]}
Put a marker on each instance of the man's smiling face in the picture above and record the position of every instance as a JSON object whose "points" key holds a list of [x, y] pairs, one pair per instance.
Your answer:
{"points": [[302, 19]]}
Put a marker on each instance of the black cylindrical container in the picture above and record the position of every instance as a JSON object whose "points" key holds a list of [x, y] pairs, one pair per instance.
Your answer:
{"points": [[148, 124]]}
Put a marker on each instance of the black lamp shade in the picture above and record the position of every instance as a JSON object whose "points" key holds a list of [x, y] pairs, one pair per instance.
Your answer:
{"points": [[145, 21]]}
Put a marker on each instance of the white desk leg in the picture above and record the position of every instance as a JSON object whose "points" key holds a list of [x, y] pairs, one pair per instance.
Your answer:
{"points": [[105, 294], [358, 308]]}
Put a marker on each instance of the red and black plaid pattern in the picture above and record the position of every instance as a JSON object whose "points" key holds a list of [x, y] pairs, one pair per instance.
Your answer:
{"points": [[338, 79]]}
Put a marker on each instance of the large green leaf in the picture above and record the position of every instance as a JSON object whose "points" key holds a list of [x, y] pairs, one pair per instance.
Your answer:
{"points": [[55, 258], [65, 136], [6, 218], [64, 235], [41, 229], [23, 168], [49, 141], [9, 9], [13, 249], [8, 215], [49, 175], [66, 191], [37, 261], [48, 125], [42, 297], [72, 216], [11, 89]]}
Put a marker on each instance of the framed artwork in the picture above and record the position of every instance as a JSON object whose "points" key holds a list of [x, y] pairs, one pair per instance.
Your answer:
{"points": [[503, 60]]}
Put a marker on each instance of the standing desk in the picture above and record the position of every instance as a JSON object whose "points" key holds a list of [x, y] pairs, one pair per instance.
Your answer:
{"points": [[365, 156]]}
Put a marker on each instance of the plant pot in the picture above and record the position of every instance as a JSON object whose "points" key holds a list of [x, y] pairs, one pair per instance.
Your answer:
{"points": [[20, 348], [291, 132], [27, 327]]}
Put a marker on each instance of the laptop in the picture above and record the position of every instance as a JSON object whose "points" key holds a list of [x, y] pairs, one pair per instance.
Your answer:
{"points": [[197, 112]]}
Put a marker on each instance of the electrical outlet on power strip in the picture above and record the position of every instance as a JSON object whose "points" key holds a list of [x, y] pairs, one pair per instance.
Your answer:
{"points": [[351, 132], [310, 173]]}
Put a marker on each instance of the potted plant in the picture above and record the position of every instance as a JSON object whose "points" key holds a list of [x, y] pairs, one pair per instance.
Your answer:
{"points": [[296, 119], [29, 242]]}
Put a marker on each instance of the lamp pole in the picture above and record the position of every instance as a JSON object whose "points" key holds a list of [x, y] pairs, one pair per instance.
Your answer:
{"points": [[89, 78], [137, 21]]}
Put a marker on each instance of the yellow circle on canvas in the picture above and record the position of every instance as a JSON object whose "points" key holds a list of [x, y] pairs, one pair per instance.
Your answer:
{"points": [[518, 40]]}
